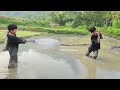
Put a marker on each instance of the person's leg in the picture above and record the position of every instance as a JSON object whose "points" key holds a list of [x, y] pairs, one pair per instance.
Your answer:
{"points": [[89, 51], [95, 54], [13, 59]]}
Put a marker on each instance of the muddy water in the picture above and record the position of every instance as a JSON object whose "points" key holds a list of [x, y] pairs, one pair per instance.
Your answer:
{"points": [[67, 62]]}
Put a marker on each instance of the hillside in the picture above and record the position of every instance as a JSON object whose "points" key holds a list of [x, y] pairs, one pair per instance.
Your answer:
{"points": [[26, 14]]}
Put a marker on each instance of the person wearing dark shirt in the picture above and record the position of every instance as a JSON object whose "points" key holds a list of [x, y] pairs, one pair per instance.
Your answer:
{"points": [[95, 42], [13, 45]]}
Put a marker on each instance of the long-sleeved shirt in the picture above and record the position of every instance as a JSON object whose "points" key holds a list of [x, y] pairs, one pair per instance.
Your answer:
{"points": [[13, 42], [95, 44]]}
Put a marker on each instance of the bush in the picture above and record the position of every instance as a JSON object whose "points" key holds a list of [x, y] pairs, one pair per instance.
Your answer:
{"points": [[116, 24]]}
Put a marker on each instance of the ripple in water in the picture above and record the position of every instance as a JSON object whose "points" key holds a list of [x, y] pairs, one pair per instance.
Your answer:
{"points": [[38, 65], [46, 65], [45, 62]]}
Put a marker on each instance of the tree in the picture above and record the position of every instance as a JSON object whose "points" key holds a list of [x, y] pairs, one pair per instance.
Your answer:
{"points": [[60, 17], [116, 18], [78, 20]]}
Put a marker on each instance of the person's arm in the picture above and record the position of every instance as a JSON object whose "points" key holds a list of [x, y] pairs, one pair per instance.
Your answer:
{"points": [[18, 40], [101, 37]]}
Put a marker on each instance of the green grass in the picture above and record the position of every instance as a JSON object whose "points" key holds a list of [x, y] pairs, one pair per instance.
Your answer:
{"points": [[81, 30], [27, 33], [58, 30], [24, 34], [1, 36], [37, 26], [111, 32]]}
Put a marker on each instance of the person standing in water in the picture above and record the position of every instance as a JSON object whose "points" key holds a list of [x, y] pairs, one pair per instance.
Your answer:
{"points": [[95, 42], [12, 45]]}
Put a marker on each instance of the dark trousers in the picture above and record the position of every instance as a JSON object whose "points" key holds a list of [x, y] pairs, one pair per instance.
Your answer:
{"points": [[13, 57], [95, 52]]}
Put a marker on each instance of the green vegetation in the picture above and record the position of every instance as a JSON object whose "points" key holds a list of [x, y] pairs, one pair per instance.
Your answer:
{"points": [[27, 33], [111, 32], [58, 30], [64, 22], [1, 36], [22, 22], [24, 34]]}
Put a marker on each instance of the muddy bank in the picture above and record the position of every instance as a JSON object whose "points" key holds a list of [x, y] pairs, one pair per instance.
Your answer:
{"points": [[116, 49]]}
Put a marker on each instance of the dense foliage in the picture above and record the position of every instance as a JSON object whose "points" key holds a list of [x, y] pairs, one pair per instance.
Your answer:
{"points": [[76, 22]]}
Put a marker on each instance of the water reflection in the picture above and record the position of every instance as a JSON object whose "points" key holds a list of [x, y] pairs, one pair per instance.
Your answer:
{"points": [[11, 74], [92, 69], [46, 65]]}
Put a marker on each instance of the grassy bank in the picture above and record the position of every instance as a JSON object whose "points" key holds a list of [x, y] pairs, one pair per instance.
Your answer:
{"points": [[111, 32], [107, 31], [58, 30], [43, 26], [24, 34]]}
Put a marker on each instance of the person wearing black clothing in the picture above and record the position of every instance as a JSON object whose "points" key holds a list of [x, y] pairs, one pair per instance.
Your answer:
{"points": [[95, 42], [13, 45]]}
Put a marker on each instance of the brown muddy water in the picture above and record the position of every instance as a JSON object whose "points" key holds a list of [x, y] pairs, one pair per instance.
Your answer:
{"points": [[66, 62]]}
